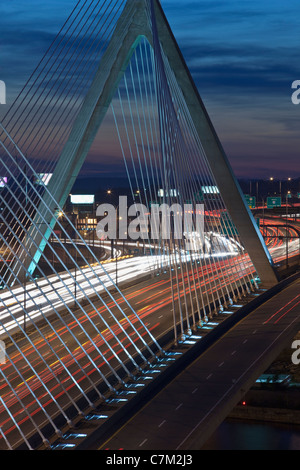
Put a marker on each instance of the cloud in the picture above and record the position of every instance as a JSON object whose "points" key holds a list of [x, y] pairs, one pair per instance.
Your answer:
{"points": [[243, 57]]}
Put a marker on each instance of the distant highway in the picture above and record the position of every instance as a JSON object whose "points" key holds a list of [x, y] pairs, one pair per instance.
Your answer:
{"points": [[276, 232]]}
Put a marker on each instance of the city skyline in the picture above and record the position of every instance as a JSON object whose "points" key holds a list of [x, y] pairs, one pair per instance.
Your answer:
{"points": [[243, 59]]}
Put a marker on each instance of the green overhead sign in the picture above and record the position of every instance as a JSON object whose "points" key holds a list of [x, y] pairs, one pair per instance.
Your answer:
{"points": [[274, 202], [251, 201]]}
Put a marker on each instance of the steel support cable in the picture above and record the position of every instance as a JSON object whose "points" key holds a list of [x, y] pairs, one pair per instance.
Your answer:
{"points": [[72, 99], [153, 114], [5, 439], [181, 191], [48, 148], [109, 279], [182, 186], [146, 149], [40, 63], [187, 157], [136, 145], [69, 330], [29, 102], [52, 372], [67, 160], [166, 188], [30, 318], [58, 337], [130, 145], [102, 319], [24, 407], [128, 140], [229, 258], [149, 134], [181, 250], [146, 146], [213, 263], [136, 142], [31, 389], [17, 426], [89, 338], [163, 119], [65, 83], [158, 67], [147, 117], [140, 120], [167, 185], [55, 64], [223, 203]]}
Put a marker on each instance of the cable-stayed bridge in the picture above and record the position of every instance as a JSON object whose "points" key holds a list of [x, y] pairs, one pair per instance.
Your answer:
{"points": [[76, 337]]}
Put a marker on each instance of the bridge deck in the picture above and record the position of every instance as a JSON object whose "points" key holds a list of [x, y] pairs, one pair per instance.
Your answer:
{"points": [[187, 411]]}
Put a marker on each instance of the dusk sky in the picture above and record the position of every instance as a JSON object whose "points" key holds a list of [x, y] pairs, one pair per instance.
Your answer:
{"points": [[243, 55]]}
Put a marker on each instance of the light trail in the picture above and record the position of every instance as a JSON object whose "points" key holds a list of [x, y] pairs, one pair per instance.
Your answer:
{"points": [[63, 290]]}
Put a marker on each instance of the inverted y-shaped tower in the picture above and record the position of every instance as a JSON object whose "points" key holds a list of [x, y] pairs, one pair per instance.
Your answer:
{"points": [[132, 25]]}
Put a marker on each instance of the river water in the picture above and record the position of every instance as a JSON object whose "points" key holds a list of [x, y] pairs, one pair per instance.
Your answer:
{"points": [[241, 435]]}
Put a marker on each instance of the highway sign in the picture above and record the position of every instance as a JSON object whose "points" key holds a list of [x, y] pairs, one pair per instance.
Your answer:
{"points": [[251, 201], [273, 202]]}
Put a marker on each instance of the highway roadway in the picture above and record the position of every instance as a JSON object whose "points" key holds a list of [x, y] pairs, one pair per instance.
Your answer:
{"points": [[188, 410], [58, 290], [68, 356], [275, 233]]}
